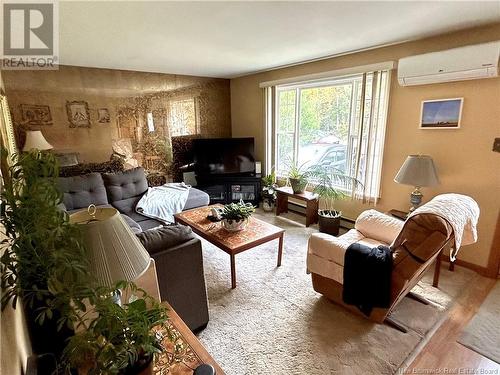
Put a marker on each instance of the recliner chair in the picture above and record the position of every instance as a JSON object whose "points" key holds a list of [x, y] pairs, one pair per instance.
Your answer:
{"points": [[416, 244]]}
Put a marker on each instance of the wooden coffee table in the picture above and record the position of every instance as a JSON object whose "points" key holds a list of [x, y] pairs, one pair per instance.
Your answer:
{"points": [[256, 233]]}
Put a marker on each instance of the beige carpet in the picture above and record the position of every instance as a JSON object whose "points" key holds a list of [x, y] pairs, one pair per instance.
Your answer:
{"points": [[482, 334], [275, 323]]}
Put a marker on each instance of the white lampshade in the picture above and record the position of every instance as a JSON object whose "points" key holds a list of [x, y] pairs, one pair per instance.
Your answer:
{"points": [[114, 251], [35, 139], [417, 170]]}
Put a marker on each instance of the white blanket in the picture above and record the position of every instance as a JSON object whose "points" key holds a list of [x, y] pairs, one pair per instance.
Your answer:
{"points": [[461, 211], [162, 202]]}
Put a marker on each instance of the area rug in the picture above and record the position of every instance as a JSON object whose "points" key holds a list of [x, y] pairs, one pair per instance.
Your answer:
{"points": [[275, 323], [482, 334]]}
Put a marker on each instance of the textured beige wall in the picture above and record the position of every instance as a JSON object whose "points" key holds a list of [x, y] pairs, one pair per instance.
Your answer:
{"points": [[112, 89], [464, 158]]}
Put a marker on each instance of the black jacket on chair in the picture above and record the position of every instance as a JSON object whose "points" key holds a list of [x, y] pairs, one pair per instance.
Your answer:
{"points": [[367, 277]]}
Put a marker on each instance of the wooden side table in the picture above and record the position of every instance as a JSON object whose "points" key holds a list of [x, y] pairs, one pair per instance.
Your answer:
{"points": [[311, 199]]}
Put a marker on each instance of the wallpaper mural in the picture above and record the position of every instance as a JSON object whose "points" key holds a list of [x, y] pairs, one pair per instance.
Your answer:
{"points": [[95, 112]]}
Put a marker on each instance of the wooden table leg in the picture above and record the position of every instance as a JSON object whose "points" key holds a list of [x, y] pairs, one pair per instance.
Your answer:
{"points": [[311, 212], [281, 204], [280, 249], [437, 270], [233, 271]]}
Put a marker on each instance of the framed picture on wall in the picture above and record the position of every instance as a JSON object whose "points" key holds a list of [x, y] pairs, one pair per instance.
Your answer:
{"points": [[78, 114], [441, 113], [36, 115], [103, 116]]}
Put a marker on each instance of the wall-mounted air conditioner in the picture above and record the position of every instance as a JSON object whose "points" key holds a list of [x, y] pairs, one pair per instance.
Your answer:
{"points": [[457, 64]]}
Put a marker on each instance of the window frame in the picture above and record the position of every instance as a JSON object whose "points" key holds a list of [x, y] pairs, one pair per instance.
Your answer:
{"points": [[359, 84]]}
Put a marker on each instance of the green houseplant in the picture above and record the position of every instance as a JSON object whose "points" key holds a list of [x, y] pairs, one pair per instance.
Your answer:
{"points": [[269, 191], [298, 176], [117, 338], [43, 262], [331, 184], [235, 215]]}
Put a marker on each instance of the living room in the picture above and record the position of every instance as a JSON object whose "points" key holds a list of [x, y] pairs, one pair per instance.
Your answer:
{"points": [[378, 122]]}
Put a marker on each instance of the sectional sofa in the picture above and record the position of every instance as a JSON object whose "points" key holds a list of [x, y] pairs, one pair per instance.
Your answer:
{"points": [[176, 250]]}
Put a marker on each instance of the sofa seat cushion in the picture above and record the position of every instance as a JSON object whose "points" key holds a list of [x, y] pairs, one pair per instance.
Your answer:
{"points": [[82, 191], [150, 224], [379, 226], [156, 240], [325, 254], [196, 198]]}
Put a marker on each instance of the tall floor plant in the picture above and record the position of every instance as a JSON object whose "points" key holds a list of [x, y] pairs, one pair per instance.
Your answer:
{"points": [[43, 262]]}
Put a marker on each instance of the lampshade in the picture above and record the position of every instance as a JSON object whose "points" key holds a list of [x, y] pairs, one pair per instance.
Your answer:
{"points": [[417, 170], [115, 253], [35, 139]]}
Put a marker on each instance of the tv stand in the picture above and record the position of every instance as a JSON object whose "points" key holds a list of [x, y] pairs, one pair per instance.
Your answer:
{"points": [[227, 189]]}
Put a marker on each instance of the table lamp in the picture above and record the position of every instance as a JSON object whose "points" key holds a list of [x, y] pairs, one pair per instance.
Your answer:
{"points": [[417, 171], [114, 251], [36, 140]]}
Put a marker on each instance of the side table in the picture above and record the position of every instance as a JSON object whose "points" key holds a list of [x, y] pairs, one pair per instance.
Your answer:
{"points": [[311, 199]]}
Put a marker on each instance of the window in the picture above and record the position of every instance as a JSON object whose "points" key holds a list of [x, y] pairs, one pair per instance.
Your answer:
{"points": [[182, 117], [338, 124]]}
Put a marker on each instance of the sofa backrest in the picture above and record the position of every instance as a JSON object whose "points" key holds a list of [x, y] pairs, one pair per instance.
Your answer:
{"points": [[125, 188], [81, 191]]}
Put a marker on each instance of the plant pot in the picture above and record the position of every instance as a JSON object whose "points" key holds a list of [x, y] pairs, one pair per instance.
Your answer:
{"points": [[268, 205], [329, 222], [142, 367], [234, 225], [39, 333], [298, 185]]}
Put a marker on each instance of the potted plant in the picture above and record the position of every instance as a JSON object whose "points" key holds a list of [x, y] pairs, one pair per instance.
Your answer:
{"points": [[269, 192], [327, 182], [118, 338], [44, 265], [298, 177], [43, 262], [235, 215]]}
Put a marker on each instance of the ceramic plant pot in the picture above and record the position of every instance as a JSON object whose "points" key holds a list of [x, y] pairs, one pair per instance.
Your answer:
{"points": [[234, 225], [298, 185]]}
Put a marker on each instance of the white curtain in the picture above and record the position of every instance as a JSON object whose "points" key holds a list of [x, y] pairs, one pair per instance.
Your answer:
{"points": [[369, 133]]}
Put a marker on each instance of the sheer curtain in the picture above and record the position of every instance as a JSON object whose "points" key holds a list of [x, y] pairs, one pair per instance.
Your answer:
{"points": [[369, 134]]}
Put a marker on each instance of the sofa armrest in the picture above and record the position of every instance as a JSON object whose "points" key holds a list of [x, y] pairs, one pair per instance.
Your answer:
{"points": [[181, 280], [159, 239], [379, 226]]}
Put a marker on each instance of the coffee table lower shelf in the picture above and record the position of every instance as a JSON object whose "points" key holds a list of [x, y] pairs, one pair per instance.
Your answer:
{"points": [[256, 233]]}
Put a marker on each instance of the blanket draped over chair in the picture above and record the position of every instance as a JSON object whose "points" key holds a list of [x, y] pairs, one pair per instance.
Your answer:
{"points": [[460, 211]]}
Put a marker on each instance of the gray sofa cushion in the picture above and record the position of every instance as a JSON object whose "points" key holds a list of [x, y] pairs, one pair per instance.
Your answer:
{"points": [[196, 198], [165, 237], [124, 185], [81, 191], [150, 224]]}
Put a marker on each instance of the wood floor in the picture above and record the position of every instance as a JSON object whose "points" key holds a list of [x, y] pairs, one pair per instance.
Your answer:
{"points": [[443, 354]]}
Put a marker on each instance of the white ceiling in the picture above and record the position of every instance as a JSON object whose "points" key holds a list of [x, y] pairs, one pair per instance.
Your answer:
{"points": [[228, 39]]}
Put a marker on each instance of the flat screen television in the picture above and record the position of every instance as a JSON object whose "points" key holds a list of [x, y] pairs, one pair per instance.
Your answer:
{"points": [[224, 156]]}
